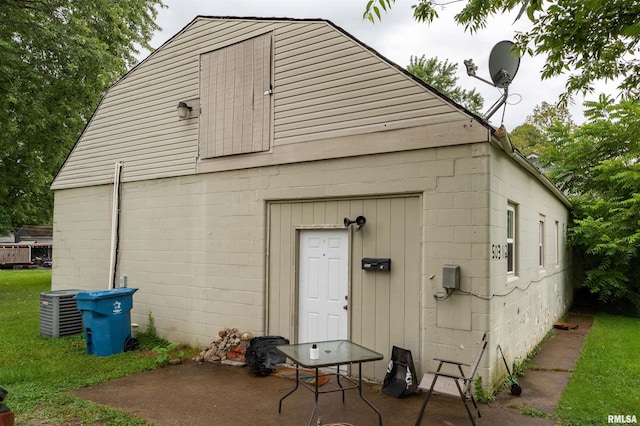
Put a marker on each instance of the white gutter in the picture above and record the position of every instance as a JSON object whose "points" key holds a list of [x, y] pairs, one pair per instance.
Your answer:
{"points": [[115, 213]]}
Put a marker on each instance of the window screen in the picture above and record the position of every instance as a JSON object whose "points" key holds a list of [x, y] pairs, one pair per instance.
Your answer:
{"points": [[511, 239]]}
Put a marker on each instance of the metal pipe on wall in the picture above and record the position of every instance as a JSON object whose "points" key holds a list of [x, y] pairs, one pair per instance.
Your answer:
{"points": [[115, 217]]}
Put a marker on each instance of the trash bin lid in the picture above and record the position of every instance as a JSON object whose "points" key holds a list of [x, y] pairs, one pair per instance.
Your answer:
{"points": [[105, 294]]}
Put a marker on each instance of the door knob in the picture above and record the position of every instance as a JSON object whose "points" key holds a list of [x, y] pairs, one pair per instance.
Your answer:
{"points": [[345, 307]]}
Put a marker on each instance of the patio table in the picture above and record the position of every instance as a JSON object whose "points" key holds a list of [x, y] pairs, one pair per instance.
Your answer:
{"points": [[333, 353]]}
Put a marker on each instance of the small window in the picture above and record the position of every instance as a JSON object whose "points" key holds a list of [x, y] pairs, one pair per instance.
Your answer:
{"points": [[511, 239], [557, 236], [541, 242]]}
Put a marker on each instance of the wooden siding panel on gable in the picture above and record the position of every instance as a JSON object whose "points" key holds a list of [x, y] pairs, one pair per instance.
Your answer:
{"points": [[206, 82], [235, 109], [261, 137]]}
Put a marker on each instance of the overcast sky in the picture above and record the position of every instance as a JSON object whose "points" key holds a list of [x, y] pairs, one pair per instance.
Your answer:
{"points": [[397, 37]]}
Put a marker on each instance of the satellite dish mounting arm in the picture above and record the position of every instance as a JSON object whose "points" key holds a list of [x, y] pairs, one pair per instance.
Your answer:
{"points": [[471, 71], [496, 106], [503, 66]]}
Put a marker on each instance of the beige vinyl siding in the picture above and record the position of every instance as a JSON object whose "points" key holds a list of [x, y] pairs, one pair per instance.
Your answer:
{"points": [[235, 111], [136, 122], [326, 86], [384, 306], [329, 86]]}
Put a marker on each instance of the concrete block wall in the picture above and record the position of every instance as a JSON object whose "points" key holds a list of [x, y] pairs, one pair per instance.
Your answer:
{"points": [[527, 303], [456, 233], [195, 246], [81, 231]]}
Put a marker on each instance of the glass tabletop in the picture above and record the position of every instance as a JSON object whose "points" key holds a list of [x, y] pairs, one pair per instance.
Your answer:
{"points": [[332, 352]]}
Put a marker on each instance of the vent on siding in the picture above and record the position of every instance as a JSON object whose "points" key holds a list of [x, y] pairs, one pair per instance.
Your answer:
{"points": [[59, 315]]}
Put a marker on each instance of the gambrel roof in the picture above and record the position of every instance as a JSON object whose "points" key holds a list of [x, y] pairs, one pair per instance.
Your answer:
{"points": [[326, 91]]}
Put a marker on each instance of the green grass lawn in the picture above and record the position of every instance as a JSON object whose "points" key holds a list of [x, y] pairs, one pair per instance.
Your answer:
{"points": [[606, 380], [38, 370]]}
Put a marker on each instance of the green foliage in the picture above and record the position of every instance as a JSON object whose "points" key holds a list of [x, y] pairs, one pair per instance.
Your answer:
{"points": [[606, 375], [599, 38], [532, 412], [148, 341], [609, 134], [442, 77], [58, 59], [172, 350], [528, 139], [480, 394], [536, 134], [151, 326], [164, 350], [597, 164], [547, 115], [593, 39], [518, 368], [373, 8], [38, 371]]}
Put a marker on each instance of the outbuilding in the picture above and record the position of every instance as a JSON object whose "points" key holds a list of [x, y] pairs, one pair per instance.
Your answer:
{"points": [[280, 177]]}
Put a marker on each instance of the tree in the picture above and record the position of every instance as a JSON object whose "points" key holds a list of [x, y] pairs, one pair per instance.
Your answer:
{"points": [[598, 164], [528, 139], [534, 136], [611, 133], [547, 115], [597, 40], [58, 59], [442, 77]]}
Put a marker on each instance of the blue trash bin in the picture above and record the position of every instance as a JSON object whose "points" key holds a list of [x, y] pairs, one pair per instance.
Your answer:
{"points": [[106, 320]]}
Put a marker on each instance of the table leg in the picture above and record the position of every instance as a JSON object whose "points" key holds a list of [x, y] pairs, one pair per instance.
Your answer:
{"points": [[291, 391], [315, 403], [338, 380], [362, 396]]}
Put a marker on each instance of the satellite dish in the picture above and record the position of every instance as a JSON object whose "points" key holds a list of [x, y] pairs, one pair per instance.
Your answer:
{"points": [[503, 64]]}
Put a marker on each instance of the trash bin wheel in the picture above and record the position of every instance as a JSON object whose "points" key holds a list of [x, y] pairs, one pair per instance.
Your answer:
{"points": [[131, 344]]}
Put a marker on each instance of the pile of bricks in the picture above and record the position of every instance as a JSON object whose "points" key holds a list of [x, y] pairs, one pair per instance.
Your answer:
{"points": [[227, 348]]}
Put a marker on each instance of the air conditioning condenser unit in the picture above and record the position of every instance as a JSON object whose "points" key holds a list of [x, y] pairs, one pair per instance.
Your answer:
{"points": [[59, 315]]}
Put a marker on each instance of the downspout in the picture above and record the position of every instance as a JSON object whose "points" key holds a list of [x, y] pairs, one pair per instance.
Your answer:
{"points": [[115, 222]]}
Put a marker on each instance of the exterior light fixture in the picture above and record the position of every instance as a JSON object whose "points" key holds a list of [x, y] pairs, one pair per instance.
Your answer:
{"points": [[183, 110], [359, 222]]}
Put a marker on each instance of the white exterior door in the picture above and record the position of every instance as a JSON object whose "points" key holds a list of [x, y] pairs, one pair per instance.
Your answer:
{"points": [[323, 280]]}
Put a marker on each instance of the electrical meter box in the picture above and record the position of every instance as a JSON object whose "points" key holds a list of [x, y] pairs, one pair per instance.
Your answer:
{"points": [[451, 276]]}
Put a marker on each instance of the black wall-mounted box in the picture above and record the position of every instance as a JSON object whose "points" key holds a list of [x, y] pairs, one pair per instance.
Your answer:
{"points": [[376, 264]]}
